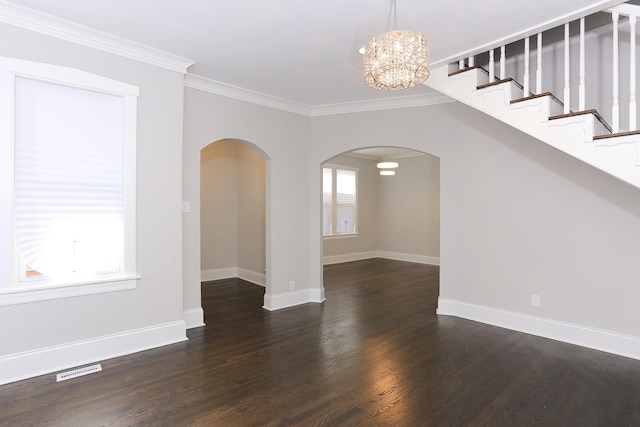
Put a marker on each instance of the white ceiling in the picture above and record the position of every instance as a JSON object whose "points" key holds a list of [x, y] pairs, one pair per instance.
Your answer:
{"points": [[301, 50]]}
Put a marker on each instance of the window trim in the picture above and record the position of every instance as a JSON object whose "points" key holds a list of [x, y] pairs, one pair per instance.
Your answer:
{"points": [[340, 236], [334, 167], [44, 293], [10, 69]]}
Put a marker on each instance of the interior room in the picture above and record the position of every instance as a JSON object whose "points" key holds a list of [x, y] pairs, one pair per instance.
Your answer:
{"points": [[228, 253]]}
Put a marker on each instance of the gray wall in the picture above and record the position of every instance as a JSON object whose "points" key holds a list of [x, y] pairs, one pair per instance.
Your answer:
{"points": [[232, 207], [157, 300], [399, 214], [367, 226], [251, 210], [282, 138], [517, 216], [219, 205], [409, 208]]}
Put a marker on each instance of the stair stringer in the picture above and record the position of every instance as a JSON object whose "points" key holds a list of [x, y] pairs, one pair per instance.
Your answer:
{"points": [[573, 135]]}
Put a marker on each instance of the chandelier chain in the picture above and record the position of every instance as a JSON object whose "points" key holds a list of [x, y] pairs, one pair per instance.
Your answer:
{"points": [[392, 11]]}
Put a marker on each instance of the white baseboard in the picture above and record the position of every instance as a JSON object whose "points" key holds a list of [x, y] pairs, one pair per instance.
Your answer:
{"points": [[293, 298], [252, 276], [598, 339], [20, 366], [398, 256], [218, 274], [336, 259], [231, 272], [194, 317]]}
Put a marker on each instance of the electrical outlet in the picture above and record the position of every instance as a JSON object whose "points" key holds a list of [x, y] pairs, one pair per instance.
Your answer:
{"points": [[535, 300], [292, 285]]}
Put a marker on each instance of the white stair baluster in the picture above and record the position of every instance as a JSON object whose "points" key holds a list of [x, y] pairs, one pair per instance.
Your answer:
{"points": [[472, 61], [539, 69], [577, 132], [503, 60], [632, 72], [525, 79], [492, 73], [461, 64], [567, 72], [581, 85], [615, 108]]}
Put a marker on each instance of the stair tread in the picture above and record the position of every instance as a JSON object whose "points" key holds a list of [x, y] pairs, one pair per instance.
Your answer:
{"points": [[534, 96], [475, 67], [614, 135], [498, 82], [579, 113], [527, 98]]}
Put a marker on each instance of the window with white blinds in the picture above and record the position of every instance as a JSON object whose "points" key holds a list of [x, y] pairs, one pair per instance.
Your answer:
{"points": [[71, 182], [339, 200], [68, 182]]}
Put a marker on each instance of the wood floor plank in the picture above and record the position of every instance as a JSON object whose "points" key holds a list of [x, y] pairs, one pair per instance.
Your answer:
{"points": [[375, 353]]}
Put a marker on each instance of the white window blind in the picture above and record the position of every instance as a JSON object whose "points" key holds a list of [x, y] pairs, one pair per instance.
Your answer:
{"points": [[339, 200], [345, 201], [327, 197], [68, 182]]}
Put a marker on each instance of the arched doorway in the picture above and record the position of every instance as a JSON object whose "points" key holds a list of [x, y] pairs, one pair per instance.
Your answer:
{"points": [[396, 216], [232, 212]]}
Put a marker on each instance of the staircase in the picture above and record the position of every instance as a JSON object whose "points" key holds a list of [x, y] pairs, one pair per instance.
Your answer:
{"points": [[580, 132]]}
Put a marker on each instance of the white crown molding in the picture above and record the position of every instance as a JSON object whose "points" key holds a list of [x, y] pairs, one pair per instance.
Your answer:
{"points": [[49, 25], [219, 88], [381, 104], [224, 89]]}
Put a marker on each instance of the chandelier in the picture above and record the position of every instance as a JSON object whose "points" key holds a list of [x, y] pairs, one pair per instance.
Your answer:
{"points": [[396, 59]]}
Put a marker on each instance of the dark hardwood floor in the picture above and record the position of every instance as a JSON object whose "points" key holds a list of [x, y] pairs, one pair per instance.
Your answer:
{"points": [[374, 353]]}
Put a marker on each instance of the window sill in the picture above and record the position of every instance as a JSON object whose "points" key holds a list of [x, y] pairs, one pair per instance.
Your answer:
{"points": [[340, 236], [45, 293]]}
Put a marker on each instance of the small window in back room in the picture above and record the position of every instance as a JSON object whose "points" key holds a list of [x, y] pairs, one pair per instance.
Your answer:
{"points": [[339, 200]]}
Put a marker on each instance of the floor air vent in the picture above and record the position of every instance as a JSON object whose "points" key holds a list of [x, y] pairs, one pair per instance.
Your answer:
{"points": [[78, 372]]}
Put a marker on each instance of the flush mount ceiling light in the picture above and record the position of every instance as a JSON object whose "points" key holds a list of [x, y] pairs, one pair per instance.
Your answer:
{"points": [[396, 59], [387, 165]]}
